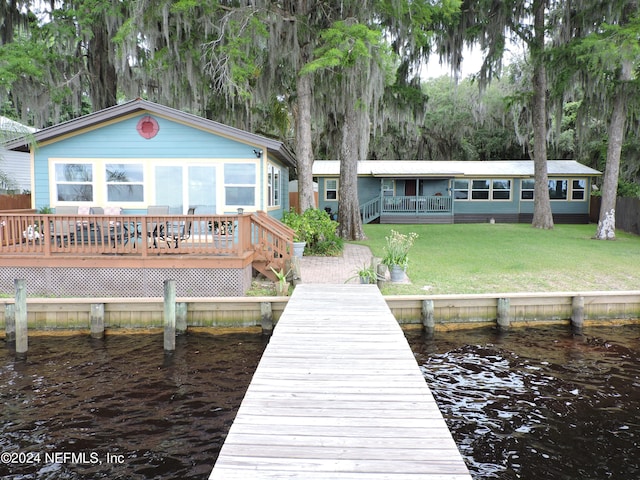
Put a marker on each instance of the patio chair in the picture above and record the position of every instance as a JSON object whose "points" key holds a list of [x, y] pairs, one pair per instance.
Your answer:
{"points": [[178, 232], [63, 231], [110, 230], [155, 229]]}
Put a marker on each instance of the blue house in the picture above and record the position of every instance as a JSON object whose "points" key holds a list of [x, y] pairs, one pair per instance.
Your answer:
{"points": [[109, 177], [459, 191], [140, 153]]}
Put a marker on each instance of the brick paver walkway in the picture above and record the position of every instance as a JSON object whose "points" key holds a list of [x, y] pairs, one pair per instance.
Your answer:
{"points": [[335, 269]]}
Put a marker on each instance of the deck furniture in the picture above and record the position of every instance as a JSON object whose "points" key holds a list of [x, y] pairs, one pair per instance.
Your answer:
{"points": [[63, 230], [178, 231]]}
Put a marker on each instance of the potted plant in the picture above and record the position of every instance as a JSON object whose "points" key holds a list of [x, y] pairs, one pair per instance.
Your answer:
{"points": [[301, 230], [282, 285], [366, 274], [396, 253]]}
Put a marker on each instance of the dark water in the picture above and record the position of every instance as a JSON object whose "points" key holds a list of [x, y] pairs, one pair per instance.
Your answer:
{"points": [[539, 404], [77, 408], [529, 404]]}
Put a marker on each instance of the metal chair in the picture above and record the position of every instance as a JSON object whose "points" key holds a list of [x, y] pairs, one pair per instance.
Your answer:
{"points": [[63, 231], [156, 230], [178, 232]]}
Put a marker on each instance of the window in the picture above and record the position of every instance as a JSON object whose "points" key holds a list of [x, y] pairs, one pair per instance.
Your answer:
{"points": [[240, 184], [558, 189], [125, 182], [501, 190], [480, 189], [388, 187], [578, 189], [74, 182], [461, 189], [331, 189], [273, 186], [526, 189]]}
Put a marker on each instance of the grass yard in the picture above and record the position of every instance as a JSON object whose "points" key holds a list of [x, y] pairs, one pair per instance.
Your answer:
{"points": [[502, 258]]}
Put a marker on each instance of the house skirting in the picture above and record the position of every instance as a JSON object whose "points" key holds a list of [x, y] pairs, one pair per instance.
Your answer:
{"points": [[127, 282]]}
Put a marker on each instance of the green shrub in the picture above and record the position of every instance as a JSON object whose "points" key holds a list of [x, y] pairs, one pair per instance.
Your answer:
{"points": [[316, 228]]}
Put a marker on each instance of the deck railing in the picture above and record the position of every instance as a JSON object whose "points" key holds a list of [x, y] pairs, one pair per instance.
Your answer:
{"points": [[141, 235], [416, 204]]}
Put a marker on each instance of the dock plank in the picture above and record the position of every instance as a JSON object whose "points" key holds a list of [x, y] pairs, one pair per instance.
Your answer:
{"points": [[338, 395]]}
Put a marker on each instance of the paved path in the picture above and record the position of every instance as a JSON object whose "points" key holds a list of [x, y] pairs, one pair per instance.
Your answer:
{"points": [[335, 269]]}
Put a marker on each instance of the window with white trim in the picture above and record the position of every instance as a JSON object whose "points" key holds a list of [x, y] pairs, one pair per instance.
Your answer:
{"points": [[125, 182], [501, 189], [273, 185], [388, 187], [526, 189], [240, 184], [480, 189], [461, 189], [579, 189], [558, 189], [74, 182], [331, 189]]}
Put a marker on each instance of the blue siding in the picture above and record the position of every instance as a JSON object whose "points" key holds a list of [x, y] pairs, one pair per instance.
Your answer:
{"points": [[121, 140]]}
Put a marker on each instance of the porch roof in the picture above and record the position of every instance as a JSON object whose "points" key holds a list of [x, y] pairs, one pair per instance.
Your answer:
{"points": [[442, 168], [274, 147]]}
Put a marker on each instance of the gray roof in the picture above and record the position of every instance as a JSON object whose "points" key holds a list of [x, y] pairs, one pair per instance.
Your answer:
{"points": [[416, 168], [274, 147]]}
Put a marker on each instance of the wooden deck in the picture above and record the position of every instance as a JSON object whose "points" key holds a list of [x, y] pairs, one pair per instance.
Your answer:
{"points": [[338, 395]]}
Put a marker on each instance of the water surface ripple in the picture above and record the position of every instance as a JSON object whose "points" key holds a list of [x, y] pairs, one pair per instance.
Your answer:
{"points": [[158, 416], [539, 403]]}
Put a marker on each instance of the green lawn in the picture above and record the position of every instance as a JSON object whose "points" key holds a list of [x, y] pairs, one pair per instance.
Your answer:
{"points": [[495, 258]]}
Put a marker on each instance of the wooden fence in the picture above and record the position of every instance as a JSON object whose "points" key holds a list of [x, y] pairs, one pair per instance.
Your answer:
{"points": [[15, 202], [627, 213]]}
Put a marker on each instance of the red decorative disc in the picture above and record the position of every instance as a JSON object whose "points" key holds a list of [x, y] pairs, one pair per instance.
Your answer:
{"points": [[148, 127]]}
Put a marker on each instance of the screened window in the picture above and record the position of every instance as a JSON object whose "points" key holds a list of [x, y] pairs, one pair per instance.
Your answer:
{"points": [[558, 189], [74, 182], [125, 182], [331, 189], [480, 189], [578, 189], [461, 189], [240, 184], [526, 189], [274, 186]]}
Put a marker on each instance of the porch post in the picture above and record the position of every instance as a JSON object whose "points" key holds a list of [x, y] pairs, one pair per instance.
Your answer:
{"points": [[169, 315]]}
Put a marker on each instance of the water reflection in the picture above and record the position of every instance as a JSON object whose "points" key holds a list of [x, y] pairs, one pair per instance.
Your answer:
{"points": [[164, 416], [539, 403]]}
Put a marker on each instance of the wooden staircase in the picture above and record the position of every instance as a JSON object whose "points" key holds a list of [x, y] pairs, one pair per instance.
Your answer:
{"points": [[272, 244]]}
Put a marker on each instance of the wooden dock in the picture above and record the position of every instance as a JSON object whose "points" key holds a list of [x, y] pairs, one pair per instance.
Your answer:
{"points": [[338, 395]]}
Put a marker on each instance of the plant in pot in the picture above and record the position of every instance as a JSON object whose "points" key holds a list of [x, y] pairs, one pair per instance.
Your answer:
{"points": [[282, 284], [396, 253], [301, 230], [366, 274]]}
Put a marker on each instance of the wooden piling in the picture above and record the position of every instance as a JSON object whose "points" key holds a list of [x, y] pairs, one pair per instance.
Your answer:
{"points": [[266, 317], [577, 312], [504, 313], [428, 317], [20, 311], [10, 323], [169, 315], [181, 318], [97, 320]]}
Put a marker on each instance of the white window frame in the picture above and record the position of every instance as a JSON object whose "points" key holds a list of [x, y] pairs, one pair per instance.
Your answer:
{"points": [[388, 187], [230, 184], [132, 183], [328, 189], [92, 182], [456, 189], [274, 185]]}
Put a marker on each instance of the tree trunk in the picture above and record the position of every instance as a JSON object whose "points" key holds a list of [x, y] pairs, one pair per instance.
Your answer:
{"points": [[607, 220], [102, 72], [304, 149], [350, 223], [542, 216]]}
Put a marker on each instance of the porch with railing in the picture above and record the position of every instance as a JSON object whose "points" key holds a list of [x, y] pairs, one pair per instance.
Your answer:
{"points": [[133, 238], [410, 207]]}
